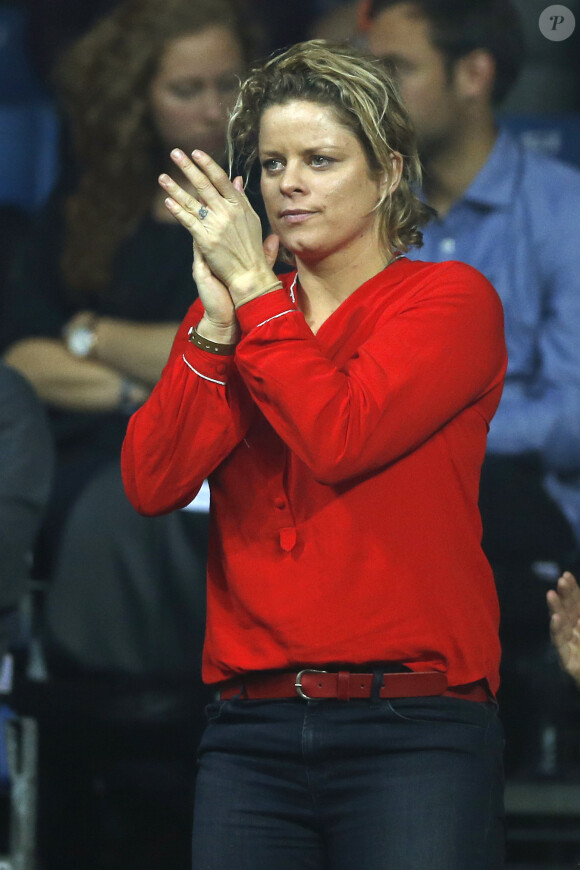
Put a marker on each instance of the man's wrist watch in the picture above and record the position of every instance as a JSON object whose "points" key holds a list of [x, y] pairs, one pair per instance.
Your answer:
{"points": [[81, 339]]}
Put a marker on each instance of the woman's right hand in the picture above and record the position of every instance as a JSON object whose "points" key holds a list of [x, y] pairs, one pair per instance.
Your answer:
{"points": [[219, 322]]}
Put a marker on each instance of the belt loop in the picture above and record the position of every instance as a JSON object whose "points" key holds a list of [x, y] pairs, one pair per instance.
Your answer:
{"points": [[377, 685], [343, 686]]}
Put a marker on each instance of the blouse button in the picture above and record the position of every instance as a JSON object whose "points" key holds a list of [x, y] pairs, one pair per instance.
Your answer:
{"points": [[288, 538], [280, 503]]}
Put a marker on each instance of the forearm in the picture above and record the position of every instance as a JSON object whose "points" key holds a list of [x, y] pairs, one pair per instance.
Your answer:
{"points": [[65, 381], [196, 415], [406, 378], [136, 350]]}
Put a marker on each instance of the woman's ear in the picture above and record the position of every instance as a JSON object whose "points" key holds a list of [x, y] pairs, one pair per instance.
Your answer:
{"points": [[391, 179]]}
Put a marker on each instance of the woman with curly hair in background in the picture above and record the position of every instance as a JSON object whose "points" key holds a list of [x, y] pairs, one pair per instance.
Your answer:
{"points": [[151, 73], [91, 313]]}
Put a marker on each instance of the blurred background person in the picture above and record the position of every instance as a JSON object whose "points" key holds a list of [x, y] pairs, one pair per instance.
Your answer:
{"points": [[89, 316]]}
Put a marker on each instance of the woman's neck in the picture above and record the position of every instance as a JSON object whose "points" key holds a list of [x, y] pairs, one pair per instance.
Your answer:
{"points": [[337, 276], [324, 285]]}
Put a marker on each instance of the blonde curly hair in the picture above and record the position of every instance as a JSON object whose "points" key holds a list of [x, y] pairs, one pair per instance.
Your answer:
{"points": [[104, 81], [365, 99]]}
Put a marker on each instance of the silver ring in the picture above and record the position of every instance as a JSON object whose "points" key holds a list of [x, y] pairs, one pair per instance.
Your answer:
{"points": [[203, 212]]}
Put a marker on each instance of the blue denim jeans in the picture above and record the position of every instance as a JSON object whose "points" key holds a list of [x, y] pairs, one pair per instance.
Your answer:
{"points": [[408, 784]]}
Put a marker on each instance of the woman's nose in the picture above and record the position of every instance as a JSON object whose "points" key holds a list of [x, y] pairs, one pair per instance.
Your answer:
{"points": [[292, 178]]}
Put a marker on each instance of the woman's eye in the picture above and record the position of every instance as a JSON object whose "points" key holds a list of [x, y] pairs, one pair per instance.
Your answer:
{"points": [[271, 165], [320, 160]]}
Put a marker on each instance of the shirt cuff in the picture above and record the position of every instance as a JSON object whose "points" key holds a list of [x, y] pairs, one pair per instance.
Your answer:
{"points": [[211, 366], [264, 308]]}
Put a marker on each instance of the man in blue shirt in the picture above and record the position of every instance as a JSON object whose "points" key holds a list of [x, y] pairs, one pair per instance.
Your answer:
{"points": [[514, 215]]}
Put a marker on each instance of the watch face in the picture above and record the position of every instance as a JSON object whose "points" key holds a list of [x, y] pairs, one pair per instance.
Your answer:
{"points": [[81, 341]]}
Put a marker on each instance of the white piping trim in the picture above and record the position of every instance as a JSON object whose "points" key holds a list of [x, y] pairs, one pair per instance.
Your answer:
{"points": [[289, 311], [199, 374], [293, 287]]}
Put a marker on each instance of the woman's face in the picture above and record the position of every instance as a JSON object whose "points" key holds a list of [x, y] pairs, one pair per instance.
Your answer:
{"points": [[194, 89], [318, 190]]}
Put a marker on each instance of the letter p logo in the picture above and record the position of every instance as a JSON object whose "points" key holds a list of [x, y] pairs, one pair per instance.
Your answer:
{"points": [[557, 23]]}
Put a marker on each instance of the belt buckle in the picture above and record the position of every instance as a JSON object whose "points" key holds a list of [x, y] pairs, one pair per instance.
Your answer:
{"points": [[298, 682]]}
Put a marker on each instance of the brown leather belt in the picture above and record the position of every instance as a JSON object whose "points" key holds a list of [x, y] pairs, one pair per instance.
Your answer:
{"points": [[311, 684]]}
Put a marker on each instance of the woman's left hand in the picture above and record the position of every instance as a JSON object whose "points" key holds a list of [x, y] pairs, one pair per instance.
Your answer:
{"points": [[223, 224]]}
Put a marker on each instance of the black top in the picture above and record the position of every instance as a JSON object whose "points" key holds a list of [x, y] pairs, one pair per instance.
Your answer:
{"points": [[151, 283]]}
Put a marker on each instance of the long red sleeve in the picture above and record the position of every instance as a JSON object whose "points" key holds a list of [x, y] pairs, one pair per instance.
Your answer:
{"points": [[428, 357], [189, 424]]}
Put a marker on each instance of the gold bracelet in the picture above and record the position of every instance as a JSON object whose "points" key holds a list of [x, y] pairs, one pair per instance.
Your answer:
{"points": [[211, 346], [277, 285]]}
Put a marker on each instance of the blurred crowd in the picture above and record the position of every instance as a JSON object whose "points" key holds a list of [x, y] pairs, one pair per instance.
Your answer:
{"points": [[94, 281]]}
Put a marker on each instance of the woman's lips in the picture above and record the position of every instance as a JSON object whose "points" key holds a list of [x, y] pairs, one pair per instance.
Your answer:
{"points": [[296, 217]]}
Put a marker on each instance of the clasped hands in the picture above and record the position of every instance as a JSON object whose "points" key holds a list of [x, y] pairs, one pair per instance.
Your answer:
{"points": [[230, 263]]}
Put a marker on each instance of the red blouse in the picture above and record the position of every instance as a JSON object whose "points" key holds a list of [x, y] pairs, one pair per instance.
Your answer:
{"points": [[344, 472]]}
